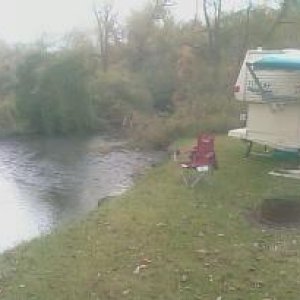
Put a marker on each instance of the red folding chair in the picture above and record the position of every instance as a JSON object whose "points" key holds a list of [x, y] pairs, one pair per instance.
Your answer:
{"points": [[202, 160]]}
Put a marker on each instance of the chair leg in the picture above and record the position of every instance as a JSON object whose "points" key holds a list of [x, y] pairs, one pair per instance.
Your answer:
{"points": [[187, 176], [185, 179], [191, 177], [249, 148], [197, 179]]}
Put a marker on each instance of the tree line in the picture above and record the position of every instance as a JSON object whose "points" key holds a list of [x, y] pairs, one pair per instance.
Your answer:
{"points": [[152, 77]]}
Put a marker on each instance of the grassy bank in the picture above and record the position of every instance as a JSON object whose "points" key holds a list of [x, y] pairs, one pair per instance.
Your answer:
{"points": [[189, 243]]}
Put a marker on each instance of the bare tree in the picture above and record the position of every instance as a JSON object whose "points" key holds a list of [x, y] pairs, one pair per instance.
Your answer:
{"points": [[107, 31], [243, 47], [212, 10], [285, 10], [285, 5]]}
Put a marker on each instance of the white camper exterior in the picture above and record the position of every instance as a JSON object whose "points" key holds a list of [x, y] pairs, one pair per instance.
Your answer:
{"points": [[272, 95]]}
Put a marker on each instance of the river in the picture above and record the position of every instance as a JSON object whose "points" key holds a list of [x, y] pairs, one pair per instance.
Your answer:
{"points": [[47, 182]]}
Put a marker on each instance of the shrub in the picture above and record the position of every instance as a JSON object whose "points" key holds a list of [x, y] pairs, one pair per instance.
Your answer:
{"points": [[52, 93], [117, 94], [216, 116], [8, 122]]}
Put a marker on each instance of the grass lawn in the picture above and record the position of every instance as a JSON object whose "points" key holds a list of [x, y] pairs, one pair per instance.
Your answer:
{"points": [[188, 243]]}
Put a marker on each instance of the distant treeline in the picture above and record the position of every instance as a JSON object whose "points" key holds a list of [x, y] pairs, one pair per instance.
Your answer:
{"points": [[153, 77]]}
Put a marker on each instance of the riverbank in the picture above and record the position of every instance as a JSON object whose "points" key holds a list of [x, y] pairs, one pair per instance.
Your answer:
{"points": [[162, 240]]}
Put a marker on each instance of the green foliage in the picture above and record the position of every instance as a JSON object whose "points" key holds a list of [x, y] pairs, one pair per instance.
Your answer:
{"points": [[28, 76], [8, 61], [159, 75], [52, 93], [152, 55], [116, 94], [7, 82], [8, 120]]}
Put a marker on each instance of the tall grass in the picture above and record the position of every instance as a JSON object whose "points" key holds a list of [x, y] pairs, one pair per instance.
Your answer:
{"points": [[213, 114]]}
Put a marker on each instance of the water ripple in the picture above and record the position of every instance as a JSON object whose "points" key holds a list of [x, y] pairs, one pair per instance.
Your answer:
{"points": [[47, 182]]}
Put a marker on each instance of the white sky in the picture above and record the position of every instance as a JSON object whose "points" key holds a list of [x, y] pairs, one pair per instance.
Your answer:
{"points": [[26, 20]]}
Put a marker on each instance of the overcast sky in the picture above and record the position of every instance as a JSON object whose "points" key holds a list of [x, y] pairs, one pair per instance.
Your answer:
{"points": [[27, 20]]}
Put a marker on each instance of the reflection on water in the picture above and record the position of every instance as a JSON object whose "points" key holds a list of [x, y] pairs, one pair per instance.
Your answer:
{"points": [[47, 182]]}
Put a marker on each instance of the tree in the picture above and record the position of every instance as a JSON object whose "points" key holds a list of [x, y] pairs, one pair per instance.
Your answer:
{"points": [[108, 31], [285, 25], [152, 54], [212, 13], [53, 95], [8, 61]]}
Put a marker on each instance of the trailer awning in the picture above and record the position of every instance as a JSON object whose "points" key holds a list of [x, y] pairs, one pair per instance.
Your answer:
{"points": [[278, 62]]}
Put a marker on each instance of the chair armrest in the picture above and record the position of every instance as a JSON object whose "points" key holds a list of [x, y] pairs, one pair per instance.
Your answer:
{"points": [[209, 154]]}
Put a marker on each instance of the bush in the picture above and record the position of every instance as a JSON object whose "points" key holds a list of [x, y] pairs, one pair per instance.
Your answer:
{"points": [[117, 94], [216, 116], [8, 122], [52, 93]]}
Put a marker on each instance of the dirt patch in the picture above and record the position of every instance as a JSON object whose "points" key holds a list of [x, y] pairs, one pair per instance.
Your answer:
{"points": [[278, 212]]}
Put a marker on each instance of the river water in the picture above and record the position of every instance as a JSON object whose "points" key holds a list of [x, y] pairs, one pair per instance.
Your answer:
{"points": [[47, 182]]}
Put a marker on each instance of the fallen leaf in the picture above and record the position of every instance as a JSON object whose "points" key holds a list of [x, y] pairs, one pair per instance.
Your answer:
{"points": [[139, 268], [202, 251], [282, 272], [161, 224], [184, 278], [145, 261], [126, 292]]}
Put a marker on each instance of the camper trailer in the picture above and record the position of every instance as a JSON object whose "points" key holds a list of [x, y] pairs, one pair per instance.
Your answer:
{"points": [[269, 84]]}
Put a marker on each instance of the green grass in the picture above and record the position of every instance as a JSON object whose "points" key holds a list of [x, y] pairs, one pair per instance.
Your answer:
{"points": [[199, 241]]}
